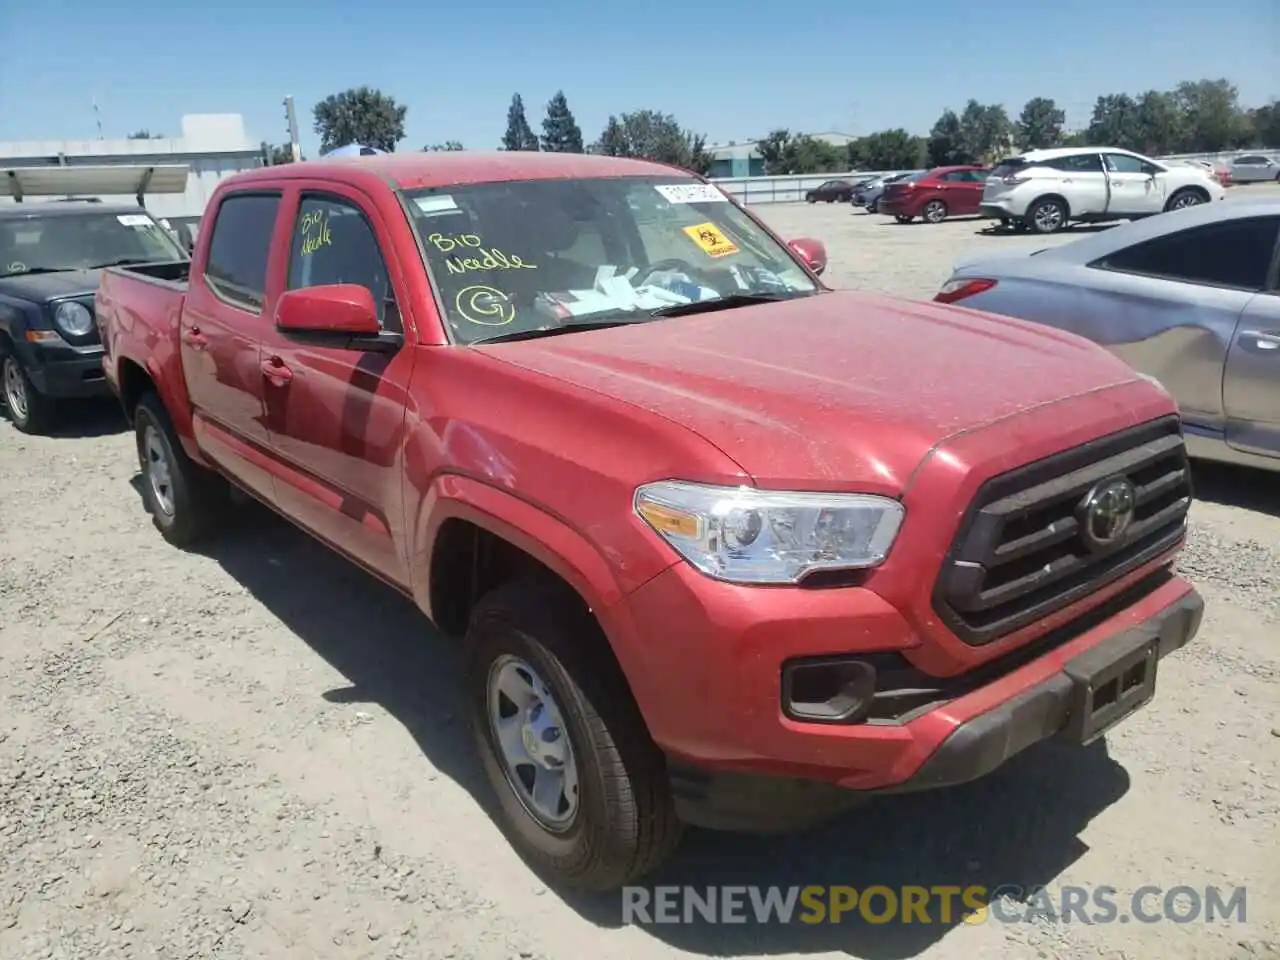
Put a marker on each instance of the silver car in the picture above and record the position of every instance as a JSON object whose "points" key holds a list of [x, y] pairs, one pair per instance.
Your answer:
{"points": [[1254, 168], [1190, 298]]}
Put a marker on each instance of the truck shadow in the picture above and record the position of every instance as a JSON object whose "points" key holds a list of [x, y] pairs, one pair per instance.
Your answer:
{"points": [[1019, 826], [1235, 486]]}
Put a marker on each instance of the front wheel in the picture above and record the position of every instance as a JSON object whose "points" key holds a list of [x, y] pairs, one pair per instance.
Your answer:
{"points": [[902, 218], [1047, 216], [30, 411], [581, 788], [185, 500], [873, 206], [1187, 197]]}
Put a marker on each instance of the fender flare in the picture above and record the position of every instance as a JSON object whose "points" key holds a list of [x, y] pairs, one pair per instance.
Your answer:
{"points": [[543, 536]]}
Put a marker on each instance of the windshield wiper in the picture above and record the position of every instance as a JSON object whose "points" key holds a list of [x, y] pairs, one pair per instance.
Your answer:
{"points": [[723, 303], [570, 327], [121, 262]]}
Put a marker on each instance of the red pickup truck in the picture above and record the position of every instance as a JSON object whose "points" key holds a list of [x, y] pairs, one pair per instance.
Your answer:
{"points": [[725, 547]]}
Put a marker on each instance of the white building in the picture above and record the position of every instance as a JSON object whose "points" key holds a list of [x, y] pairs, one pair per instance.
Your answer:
{"points": [[178, 174]]}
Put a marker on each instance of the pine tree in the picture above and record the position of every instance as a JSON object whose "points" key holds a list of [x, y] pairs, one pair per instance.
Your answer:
{"points": [[519, 135], [560, 132]]}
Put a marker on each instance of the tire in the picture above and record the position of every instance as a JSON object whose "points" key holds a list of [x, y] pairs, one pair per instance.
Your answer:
{"points": [[811, 199], [30, 411], [1186, 197], [873, 206], [624, 824], [1048, 215], [186, 501], [902, 218], [935, 211]]}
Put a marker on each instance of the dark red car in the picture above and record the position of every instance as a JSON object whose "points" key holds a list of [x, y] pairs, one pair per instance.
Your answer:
{"points": [[936, 194]]}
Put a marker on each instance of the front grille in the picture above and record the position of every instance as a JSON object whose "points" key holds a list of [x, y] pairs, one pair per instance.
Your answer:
{"points": [[1021, 552]]}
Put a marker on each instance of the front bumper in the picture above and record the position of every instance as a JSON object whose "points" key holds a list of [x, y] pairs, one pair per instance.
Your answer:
{"points": [[739, 763], [58, 369]]}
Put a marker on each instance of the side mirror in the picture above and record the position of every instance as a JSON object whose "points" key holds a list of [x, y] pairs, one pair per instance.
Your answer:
{"points": [[339, 315], [812, 252]]}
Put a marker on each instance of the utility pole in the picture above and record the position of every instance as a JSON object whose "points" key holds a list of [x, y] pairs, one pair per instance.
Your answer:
{"points": [[292, 118]]}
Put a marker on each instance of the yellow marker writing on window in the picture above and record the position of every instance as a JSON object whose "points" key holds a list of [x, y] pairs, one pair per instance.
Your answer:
{"points": [[712, 242]]}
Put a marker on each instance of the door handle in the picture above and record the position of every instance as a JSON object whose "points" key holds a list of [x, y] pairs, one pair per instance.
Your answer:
{"points": [[195, 338], [276, 372], [1263, 341]]}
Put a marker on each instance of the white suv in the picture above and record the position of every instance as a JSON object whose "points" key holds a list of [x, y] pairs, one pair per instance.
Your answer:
{"points": [[1044, 190]]}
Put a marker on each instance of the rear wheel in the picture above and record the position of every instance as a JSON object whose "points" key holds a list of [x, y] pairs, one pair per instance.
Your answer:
{"points": [[582, 789], [902, 218], [935, 211], [1047, 216], [185, 500], [30, 411], [873, 206]]}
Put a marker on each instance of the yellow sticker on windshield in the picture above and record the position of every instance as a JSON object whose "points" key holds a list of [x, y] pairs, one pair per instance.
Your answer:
{"points": [[711, 240]]}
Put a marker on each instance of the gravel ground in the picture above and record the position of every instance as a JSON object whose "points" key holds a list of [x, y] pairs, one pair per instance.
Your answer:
{"points": [[258, 751]]}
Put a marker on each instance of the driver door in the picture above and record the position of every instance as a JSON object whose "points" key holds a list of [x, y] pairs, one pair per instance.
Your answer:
{"points": [[1137, 189], [337, 417]]}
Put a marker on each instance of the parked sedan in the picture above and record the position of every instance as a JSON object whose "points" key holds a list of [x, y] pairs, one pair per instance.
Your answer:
{"points": [[833, 191], [1190, 298], [936, 194], [1254, 168], [868, 194]]}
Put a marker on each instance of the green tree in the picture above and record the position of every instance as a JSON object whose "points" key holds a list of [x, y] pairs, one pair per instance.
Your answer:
{"points": [[1040, 124], [560, 132], [887, 150], [1211, 115], [782, 153], [359, 115], [1264, 125], [1159, 123], [275, 154], [652, 135], [519, 135], [946, 145], [145, 134], [1115, 122], [984, 130], [449, 146]]}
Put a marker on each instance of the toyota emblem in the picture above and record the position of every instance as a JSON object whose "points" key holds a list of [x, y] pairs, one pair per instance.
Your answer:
{"points": [[1107, 512]]}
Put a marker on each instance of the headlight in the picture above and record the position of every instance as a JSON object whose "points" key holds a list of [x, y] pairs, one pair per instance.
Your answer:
{"points": [[73, 318], [745, 535]]}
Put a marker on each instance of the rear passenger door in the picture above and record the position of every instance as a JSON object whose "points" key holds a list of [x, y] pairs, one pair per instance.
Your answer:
{"points": [[224, 320], [1084, 184], [338, 423]]}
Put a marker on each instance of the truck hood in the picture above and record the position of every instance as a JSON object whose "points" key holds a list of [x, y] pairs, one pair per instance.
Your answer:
{"points": [[43, 287], [837, 391]]}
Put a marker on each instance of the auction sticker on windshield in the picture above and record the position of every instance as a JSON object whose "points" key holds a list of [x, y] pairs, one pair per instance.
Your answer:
{"points": [[691, 193], [711, 240], [134, 220]]}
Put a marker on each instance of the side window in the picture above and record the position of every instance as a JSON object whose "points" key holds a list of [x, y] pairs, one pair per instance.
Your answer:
{"points": [[333, 242], [1233, 254], [1123, 163], [240, 246], [954, 176], [977, 176], [1077, 163]]}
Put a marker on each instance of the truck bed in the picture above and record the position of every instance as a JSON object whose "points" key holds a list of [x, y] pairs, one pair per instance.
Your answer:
{"points": [[138, 310]]}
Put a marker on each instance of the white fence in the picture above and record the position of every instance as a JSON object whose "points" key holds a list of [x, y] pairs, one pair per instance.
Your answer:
{"points": [[792, 188]]}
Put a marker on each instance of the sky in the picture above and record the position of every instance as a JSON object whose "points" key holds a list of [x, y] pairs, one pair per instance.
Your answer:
{"points": [[729, 71]]}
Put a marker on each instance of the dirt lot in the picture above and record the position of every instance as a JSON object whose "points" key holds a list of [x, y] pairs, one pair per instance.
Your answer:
{"points": [[258, 751]]}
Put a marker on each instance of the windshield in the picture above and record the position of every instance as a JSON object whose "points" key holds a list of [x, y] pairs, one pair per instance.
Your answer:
{"points": [[36, 243], [531, 255]]}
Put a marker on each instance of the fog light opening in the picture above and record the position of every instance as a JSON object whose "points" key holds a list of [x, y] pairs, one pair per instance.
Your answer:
{"points": [[828, 691]]}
